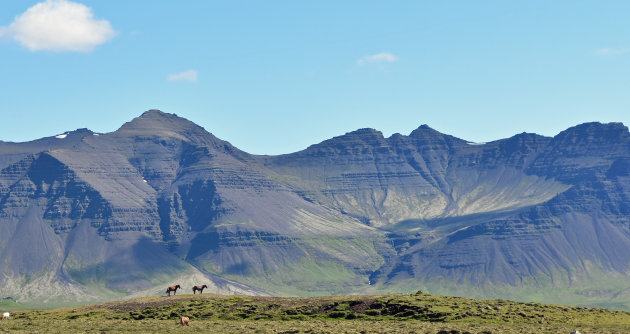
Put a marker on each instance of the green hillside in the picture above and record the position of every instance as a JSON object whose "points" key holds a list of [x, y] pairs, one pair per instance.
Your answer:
{"points": [[419, 313]]}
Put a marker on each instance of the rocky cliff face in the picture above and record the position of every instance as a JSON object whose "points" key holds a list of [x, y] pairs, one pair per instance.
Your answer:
{"points": [[95, 216]]}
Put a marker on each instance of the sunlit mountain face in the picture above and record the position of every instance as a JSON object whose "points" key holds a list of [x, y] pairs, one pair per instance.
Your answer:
{"points": [[87, 216]]}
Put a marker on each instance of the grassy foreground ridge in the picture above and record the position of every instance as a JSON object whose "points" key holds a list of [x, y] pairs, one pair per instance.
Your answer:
{"points": [[416, 313]]}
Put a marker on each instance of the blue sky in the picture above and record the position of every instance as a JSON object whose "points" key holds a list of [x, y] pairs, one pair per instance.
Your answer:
{"points": [[273, 77]]}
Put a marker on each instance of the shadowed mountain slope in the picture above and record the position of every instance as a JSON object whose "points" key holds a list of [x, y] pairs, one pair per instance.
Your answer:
{"points": [[161, 200]]}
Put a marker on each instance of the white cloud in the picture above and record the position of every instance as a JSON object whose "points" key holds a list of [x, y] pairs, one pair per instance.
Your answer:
{"points": [[190, 75], [383, 57], [611, 51], [58, 25]]}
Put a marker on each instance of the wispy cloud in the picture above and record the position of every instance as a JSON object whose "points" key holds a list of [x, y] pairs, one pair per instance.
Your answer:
{"points": [[58, 25], [383, 57], [611, 51], [190, 75]]}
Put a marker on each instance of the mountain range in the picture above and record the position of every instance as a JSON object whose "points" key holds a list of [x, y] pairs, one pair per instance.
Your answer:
{"points": [[87, 217]]}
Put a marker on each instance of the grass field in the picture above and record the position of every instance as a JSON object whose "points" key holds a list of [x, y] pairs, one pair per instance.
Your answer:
{"points": [[417, 313]]}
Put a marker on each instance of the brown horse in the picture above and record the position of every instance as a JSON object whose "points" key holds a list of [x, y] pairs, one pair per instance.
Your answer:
{"points": [[199, 288], [173, 288]]}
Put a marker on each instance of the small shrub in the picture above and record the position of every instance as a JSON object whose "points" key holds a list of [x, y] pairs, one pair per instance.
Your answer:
{"points": [[136, 316], [373, 313], [337, 314], [355, 302], [377, 305], [351, 316]]}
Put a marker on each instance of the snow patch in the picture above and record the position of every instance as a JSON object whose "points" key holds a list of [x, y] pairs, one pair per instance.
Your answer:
{"points": [[95, 134], [61, 136], [476, 144]]}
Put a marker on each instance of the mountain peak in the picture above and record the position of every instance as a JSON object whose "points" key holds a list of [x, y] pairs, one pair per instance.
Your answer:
{"points": [[157, 122], [153, 113], [597, 126], [365, 132], [427, 134], [594, 132], [424, 130]]}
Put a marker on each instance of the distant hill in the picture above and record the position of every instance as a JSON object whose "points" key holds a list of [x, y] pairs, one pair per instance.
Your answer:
{"points": [[398, 313], [87, 217]]}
